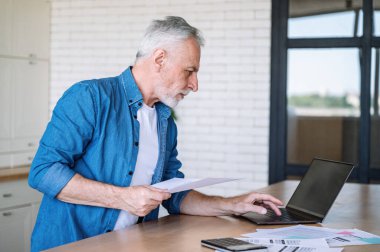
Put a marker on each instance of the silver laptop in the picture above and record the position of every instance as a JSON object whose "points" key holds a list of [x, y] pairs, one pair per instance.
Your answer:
{"points": [[313, 197]]}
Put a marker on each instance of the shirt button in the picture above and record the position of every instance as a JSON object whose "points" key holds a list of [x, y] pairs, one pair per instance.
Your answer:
{"points": [[130, 173], [139, 103], [135, 116], [137, 143], [130, 101]]}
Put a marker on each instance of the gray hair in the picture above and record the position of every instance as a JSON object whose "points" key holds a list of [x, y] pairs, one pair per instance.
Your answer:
{"points": [[161, 33]]}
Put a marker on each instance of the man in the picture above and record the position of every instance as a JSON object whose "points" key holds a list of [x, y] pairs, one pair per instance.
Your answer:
{"points": [[110, 139]]}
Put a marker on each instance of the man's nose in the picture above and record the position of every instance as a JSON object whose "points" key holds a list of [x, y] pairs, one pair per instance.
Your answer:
{"points": [[193, 84]]}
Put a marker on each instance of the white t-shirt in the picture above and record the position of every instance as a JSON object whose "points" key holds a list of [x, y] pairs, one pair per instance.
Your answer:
{"points": [[146, 158]]}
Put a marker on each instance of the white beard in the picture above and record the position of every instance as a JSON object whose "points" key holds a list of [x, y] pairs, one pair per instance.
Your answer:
{"points": [[169, 100], [172, 102]]}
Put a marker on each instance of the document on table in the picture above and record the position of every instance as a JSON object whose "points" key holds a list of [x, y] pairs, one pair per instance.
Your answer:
{"points": [[291, 245], [299, 245], [352, 237], [182, 184], [298, 249], [294, 232], [277, 248], [288, 242], [333, 237]]}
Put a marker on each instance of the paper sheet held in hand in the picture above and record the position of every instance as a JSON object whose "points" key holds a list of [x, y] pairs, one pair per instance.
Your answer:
{"points": [[182, 184]]}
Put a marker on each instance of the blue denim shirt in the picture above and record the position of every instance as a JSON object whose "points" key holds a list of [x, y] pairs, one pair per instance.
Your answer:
{"points": [[94, 132]]}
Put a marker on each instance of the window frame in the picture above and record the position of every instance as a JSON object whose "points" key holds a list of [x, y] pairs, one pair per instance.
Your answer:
{"points": [[280, 43]]}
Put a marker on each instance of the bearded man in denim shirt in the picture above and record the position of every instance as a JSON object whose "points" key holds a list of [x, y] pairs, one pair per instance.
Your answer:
{"points": [[110, 139]]}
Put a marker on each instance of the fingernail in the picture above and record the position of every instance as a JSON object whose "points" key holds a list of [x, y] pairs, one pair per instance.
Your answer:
{"points": [[263, 211]]}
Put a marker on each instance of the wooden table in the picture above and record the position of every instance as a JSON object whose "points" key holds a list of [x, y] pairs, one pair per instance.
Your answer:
{"points": [[357, 206]]}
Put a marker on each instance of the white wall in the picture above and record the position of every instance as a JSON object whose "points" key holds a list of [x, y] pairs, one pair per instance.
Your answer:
{"points": [[224, 128]]}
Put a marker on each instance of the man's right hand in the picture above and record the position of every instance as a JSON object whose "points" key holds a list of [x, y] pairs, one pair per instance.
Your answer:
{"points": [[141, 200], [138, 200]]}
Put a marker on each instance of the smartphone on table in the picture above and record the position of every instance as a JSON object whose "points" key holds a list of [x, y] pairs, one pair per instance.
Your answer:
{"points": [[232, 244]]}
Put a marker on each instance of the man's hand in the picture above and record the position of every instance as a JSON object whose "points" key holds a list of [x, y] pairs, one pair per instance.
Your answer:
{"points": [[141, 200], [138, 200], [253, 202], [196, 203]]}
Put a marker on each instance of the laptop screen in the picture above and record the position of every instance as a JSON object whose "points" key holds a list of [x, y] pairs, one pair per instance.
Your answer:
{"points": [[320, 186]]}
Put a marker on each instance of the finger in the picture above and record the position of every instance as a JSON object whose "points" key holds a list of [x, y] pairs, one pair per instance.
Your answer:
{"points": [[273, 207], [144, 211], [159, 196], [147, 207], [156, 189], [248, 207], [152, 204], [267, 197], [258, 209]]}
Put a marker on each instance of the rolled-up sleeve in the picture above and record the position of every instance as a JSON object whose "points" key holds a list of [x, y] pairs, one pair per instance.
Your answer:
{"points": [[173, 204], [64, 141]]}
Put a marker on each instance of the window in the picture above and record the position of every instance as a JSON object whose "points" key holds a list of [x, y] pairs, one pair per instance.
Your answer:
{"points": [[323, 99], [376, 16], [340, 24], [325, 86], [375, 114]]}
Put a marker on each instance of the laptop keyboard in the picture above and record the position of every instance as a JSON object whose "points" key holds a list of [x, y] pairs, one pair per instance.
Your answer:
{"points": [[287, 216]]}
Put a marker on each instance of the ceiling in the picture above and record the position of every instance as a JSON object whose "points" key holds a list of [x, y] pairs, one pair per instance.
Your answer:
{"points": [[301, 8]]}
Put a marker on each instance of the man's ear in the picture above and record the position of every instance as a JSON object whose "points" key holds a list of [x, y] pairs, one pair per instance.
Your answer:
{"points": [[159, 57]]}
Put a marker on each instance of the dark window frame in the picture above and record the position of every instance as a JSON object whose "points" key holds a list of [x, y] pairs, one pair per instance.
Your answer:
{"points": [[280, 43]]}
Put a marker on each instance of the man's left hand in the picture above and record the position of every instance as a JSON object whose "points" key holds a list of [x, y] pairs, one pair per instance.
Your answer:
{"points": [[253, 202]]}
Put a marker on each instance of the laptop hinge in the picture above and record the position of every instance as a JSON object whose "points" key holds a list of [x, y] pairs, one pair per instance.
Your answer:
{"points": [[303, 214]]}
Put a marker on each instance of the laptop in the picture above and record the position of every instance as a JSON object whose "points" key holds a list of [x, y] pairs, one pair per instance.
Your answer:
{"points": [[314, 196]]}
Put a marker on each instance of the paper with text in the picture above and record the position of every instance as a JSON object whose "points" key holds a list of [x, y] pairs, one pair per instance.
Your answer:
{"points": [[277, 248], [333, 237], [355, 236], [288, 242]]}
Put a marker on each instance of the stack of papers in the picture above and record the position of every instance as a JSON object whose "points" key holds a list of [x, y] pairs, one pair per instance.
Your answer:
{"points": [[285, 245], [310, 238]]}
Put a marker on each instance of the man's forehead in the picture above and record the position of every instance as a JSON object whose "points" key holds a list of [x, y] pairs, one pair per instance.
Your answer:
{"points": [[190, 44], [194, 51], [187, 53]]}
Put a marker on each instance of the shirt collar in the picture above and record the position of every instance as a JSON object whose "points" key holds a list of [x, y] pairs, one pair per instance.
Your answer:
{"points": [[163, 110], [130, 87], [134, 95]]}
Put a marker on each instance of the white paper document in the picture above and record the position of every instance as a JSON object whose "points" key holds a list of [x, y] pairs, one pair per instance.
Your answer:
{"points": [[182, 184], [277, 248], [283, 248], [288, 242], [294, 232], [333, 237], [352, 237], [299, 245]]}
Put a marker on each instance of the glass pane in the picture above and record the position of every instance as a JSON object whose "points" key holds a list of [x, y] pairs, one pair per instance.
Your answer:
{"points": [[375, 115], [324, 18], [376, 23], [323, 95]]}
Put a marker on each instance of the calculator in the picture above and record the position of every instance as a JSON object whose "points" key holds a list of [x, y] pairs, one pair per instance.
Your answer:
{"points": [[232, 244]]}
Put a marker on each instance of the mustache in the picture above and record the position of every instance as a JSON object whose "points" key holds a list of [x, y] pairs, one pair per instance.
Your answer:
{"points": [[185, 92]]}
